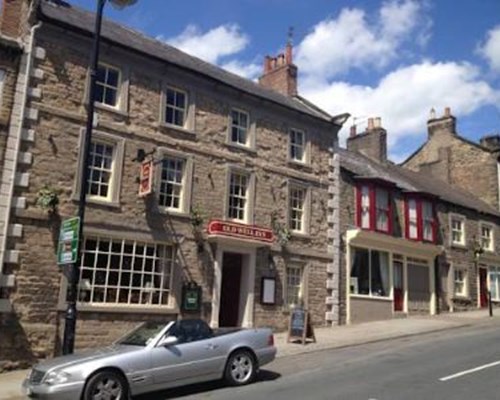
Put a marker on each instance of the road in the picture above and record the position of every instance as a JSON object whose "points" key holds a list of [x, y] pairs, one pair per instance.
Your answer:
{"points": [[459, 364]]}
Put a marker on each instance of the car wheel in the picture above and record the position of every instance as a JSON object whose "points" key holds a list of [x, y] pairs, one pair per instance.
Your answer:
{"points": [[106, 385], [240, 368]]}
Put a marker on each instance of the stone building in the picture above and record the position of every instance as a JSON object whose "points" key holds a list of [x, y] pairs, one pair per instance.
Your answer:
{"points": [[410, 242], [243, 189], [461, 162]]}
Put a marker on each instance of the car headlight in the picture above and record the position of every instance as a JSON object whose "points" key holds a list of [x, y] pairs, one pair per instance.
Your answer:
{"points": [[56, 378]]}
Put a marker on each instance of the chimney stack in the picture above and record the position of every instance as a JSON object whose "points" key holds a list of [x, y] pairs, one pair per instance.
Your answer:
{"points": [[445, 125], [372, 143], [280, 73]]}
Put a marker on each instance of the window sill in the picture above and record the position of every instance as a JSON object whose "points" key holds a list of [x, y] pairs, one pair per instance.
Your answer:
{"points": [[235, 146], [300, 165], [368, 297], [461, 297], [459, 246], [300, 235], [114, 110], [123, 309], [97, 202], [173, 213], [188, 133]]}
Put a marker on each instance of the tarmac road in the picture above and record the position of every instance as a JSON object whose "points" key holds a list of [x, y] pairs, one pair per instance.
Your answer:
{"points": [[455, 364]]}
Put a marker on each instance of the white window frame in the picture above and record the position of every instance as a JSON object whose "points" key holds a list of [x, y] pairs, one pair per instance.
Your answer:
{"points": [[249, 194], [118, 87], [113, 198], [148, 295], [232, 125], [302, 285], [305, 146], [306, 207], [2, 80], [187, 178], [491, 227], [462, 219], [185, 109], [464, 279]]}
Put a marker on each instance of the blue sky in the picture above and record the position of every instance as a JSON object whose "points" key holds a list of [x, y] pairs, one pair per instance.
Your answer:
{"points": [[395, 59]]}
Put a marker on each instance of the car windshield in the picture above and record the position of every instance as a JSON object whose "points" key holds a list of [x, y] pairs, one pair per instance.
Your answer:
{"points": [[142, 335]]}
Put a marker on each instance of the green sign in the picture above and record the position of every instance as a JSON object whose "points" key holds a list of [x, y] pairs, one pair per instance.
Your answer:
{"points": [[191, 297], [67, 247]]}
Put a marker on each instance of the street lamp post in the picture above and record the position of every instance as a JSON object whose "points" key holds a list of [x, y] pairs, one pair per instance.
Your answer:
{"points": [[74, 273]]}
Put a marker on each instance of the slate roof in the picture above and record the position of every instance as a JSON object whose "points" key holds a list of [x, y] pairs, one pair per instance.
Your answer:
{"points": [[412, 181], [67, 15]]}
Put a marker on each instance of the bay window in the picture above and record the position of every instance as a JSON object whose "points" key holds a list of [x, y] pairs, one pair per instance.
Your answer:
{"points": [[370, 273], [374, 208], [420, 219]]}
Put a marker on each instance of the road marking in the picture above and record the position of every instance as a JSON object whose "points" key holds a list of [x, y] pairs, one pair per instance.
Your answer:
{"points": [[469, 371]]}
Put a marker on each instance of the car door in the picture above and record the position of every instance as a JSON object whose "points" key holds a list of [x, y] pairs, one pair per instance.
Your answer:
{"points": [[190, 359]]}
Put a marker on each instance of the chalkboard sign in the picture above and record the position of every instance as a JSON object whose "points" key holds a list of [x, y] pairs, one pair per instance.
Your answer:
{"points": [[300, 327]]}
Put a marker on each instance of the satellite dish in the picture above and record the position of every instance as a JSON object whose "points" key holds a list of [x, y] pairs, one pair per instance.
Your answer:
{"points": [[119, 4]]}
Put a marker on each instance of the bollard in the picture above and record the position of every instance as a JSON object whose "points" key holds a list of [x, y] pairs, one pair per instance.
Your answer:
{"points": [[489, 304]]}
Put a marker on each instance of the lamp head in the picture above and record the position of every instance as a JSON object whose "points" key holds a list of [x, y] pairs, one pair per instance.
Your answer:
{"points": [[119, 4]]}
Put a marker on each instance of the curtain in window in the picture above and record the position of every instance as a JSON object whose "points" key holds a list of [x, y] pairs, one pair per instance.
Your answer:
{"points": [[360, 272], [428, 219], [382, 199], [379, 273], [412, 219], [365, 207]]}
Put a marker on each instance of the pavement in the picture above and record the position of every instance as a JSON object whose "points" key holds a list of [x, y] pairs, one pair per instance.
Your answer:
{"points": [[328, 338]]}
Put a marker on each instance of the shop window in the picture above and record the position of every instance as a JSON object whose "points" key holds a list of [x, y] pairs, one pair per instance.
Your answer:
{"points": [[125, 272], [298, 208], [294, 285], [494, 283], [460, 282], [370, 273], [457, 229], [374, 208], [175, 106], [421, 222], [487, 239], [107, 87]]}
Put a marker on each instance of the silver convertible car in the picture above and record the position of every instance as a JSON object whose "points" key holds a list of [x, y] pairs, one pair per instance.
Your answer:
{"points": [[154, 356]]}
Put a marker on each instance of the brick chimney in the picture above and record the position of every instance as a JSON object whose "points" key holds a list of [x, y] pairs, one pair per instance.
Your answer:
{"points": [[13, 17], [280, 73], [372, 143], [445, 125]]}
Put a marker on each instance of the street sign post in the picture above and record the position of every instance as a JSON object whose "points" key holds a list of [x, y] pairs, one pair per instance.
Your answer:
{"points": [[67, 248]]}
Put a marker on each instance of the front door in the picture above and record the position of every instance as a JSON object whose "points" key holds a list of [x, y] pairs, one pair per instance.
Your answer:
{"points": [[483, 287], [398, 286], [230, 290]]}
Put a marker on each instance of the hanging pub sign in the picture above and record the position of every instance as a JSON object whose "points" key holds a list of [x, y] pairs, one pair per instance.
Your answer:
{"points": [[242, 231], [299, 326], [191, 297], [146, 178]]}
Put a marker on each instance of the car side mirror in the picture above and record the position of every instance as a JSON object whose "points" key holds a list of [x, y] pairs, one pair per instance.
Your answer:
{"points": [[168, 341]]}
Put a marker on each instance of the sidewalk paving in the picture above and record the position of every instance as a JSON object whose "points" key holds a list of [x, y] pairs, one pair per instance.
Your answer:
{"points": [[327, 338]]}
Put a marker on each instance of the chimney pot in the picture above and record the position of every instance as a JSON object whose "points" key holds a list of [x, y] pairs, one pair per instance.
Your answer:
{"points": [[288, 54], [377, 122], [352, 132], [447, 112], [432, 114], [370, 125]]}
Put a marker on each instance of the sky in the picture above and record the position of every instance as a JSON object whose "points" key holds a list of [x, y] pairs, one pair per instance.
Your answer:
{"points": [[394, 59]]}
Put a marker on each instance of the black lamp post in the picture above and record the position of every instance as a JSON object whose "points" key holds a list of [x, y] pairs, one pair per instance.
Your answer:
{"points": [[74, 275]]}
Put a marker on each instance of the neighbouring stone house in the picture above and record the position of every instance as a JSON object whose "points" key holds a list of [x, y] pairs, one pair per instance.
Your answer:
{"points": [[236, 163], [461, 162], [409, 240]]}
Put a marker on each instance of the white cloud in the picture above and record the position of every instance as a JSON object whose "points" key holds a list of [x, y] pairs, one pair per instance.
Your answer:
{"points": [[246, 70], [211, 46], [403, 98], [490, 49], [352, 40]]}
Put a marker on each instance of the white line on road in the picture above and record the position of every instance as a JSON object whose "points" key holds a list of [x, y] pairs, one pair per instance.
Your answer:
{"points": [[469, 371]]}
